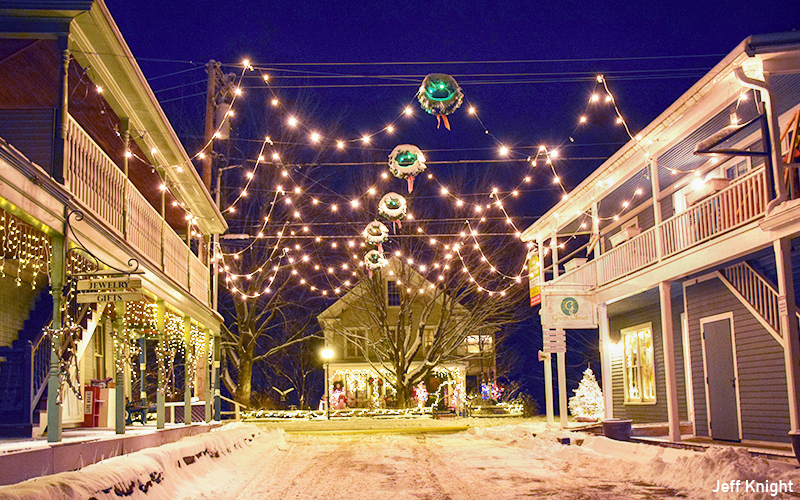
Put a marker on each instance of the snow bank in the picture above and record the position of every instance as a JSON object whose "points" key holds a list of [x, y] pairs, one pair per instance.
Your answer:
{"points": [[152, 474], [693, 471]]}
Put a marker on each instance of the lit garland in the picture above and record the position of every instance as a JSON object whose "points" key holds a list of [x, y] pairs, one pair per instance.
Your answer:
{"points": [[24, 244]]}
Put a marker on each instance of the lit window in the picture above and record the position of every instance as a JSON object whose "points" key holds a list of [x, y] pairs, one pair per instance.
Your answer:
{"points": [[640, 377], [478, 343], [392, 293]]}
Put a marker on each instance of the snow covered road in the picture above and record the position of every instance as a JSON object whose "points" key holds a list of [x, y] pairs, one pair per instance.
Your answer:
{"points": [[435, 467], [243, 462]]}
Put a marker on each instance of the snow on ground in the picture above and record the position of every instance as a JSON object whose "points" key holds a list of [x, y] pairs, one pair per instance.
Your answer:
{"points": [[243, 462]]}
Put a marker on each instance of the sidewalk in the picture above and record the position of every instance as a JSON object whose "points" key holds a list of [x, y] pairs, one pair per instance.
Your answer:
{"points": [[22, 459], [768, 450]]}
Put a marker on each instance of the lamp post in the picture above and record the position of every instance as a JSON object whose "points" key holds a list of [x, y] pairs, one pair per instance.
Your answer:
{"points": [[327, 354]]}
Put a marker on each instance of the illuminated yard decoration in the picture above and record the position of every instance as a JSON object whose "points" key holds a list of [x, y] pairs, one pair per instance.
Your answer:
{"points": [[440, 95], [376, 234], [374, 260], [393, 207], [406, 162]]}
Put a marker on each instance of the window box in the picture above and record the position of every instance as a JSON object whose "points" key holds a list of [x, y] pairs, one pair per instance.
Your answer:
{"points": [[708, 188], [574, 264], [624, 235]]}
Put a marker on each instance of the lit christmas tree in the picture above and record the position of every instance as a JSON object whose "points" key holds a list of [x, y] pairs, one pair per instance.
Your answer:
{"points": [[588, 399]]}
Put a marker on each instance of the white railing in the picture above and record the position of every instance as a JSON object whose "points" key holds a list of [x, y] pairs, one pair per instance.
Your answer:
{"points": [[198, 278], [584, 275], [758, 292], [101, 187], [176, 259], [632, 255], [737, 204], [143, 225], [94, 178], [741, 202]]}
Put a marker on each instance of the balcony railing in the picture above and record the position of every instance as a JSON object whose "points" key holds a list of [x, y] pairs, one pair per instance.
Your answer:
{"points": [[102, 188], [741, 202]]}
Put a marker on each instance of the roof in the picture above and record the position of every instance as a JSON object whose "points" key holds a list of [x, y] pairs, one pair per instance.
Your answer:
{"points": [[699, 113], [98, 45], [393, 264]]}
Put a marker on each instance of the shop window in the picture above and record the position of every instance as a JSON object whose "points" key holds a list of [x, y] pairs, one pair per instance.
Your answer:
{"points": [[638, 369]]}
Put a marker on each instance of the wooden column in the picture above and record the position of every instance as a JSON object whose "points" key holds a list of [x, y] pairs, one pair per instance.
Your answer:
{"points": [[187, 379], [788, 324], [605, 359], [119, 374], [217, 400], [668, 343], [548, 362], [207, 375], [160, 394], [57, 275]]}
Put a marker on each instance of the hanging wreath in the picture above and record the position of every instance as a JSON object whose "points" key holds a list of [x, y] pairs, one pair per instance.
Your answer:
{"points": [[440, 95], [374, 260], [406, 162], [393, 207], [376, 234]]}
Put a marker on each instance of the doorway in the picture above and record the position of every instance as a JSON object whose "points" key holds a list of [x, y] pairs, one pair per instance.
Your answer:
{"points": [[722, 382]]}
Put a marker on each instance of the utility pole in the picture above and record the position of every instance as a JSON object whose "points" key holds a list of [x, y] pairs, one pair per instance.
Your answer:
{"points": [[214, 74]]}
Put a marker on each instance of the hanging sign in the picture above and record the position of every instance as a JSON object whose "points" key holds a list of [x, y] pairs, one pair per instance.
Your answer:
{"points": [[122, 283], [568, 309], [105, 297], [534, 275]]}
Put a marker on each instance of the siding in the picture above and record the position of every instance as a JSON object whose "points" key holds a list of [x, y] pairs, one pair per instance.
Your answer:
{"points": [[30, 132], [648, 412], [762, 376]]}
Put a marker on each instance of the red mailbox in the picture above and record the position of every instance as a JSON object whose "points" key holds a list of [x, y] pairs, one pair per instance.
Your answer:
{"points": [[91, 406]]}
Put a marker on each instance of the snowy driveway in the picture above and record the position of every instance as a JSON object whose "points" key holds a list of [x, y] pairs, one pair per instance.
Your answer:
{"points": [[421, 467]]}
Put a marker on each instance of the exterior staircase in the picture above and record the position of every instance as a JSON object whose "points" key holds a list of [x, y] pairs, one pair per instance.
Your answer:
{"points": [[757, 294], [24, 367]]}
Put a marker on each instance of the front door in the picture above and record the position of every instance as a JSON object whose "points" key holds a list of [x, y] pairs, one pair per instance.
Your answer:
{"points": [[721, 379]]}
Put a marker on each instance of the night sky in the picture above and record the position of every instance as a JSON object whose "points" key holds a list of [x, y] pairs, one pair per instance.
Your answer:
{"points": [[528, 67]]}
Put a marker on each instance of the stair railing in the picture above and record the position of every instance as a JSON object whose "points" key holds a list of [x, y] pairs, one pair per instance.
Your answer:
{"points": [[40, 367]]}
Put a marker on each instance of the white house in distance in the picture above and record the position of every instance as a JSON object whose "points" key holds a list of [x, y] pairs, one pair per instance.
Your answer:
{"points": [[90, 168], [697, 222], [354, 330]]}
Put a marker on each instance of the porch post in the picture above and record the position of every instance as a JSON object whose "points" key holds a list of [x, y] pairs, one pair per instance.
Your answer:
{"points": [[548, 362], [605, 359], [143, 377], [657, 216], [161, 360], [217, 401], [788, 318], [119, 373], [208, 376], [57, 273], [562, 388], [668, 343], [187, 379]]}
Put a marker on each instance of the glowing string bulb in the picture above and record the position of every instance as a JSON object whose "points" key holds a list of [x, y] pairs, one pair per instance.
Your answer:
{"points": [[275, 102]]}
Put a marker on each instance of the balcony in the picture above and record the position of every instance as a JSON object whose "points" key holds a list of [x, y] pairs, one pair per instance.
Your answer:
{"points": [[110, 197], [743, 201]]}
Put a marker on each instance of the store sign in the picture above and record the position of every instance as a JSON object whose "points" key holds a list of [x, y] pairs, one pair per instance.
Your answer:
{"points": [[568, 310], [554, 341], [105, 297], [109, 284], [534, 277]]}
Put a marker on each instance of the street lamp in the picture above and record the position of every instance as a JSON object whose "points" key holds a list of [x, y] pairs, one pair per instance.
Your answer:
{"points": [[327, 354]]}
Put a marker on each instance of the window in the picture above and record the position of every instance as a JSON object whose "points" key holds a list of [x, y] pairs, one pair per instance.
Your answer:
{"points": [[638, 369], [354, 345], [98, 339], [392, 293], [737, 170], [478, 343]]}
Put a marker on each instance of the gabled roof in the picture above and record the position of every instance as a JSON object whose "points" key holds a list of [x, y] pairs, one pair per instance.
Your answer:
{"points": [[97, 44], [394, 264]]}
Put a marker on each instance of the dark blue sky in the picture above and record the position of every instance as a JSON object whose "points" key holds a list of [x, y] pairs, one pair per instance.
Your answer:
{"points": [[520, 115]]}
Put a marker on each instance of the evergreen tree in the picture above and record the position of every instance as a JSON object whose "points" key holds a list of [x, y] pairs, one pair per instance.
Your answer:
{"points": [[588, 399]]}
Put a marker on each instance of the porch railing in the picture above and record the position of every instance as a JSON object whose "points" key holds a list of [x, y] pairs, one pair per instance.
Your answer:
{"points": [[102, 188], [741, 202]]}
